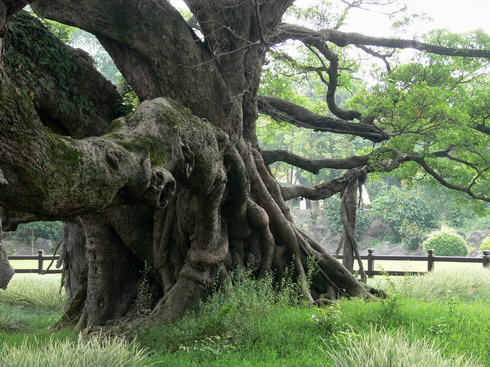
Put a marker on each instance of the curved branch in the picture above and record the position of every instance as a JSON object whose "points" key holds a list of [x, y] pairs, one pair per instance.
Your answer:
{"points": [[127, 166], [325, 189], [447, 184], [342, 39], [282, 110], [83, 105], [314, 165], [152, 46]]}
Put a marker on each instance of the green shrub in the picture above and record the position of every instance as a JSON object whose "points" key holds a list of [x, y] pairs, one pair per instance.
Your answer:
{"points": [[383, 349], [446, 244], [107, 353], [485, 245]]}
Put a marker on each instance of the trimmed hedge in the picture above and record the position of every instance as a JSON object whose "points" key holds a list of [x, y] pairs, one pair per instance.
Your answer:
{"points": [[446, 244]]}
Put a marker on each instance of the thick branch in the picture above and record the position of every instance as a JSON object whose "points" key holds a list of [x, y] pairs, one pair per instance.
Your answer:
{"points": [[342, 39], [153, 47], [60, 177], [314, 165], [283, 110], [71, 96]]}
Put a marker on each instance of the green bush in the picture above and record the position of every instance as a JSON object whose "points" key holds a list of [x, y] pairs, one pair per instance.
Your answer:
{"points": [[485, 245], [446, 244]]}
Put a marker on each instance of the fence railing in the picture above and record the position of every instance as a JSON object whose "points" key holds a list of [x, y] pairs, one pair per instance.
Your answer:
{"points": [[431, 259], [41, 261]]}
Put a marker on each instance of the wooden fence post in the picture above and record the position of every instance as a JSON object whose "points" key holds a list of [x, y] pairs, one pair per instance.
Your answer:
{"points": [[370, 271], [40, 255], [486, 258], [430, 260]]}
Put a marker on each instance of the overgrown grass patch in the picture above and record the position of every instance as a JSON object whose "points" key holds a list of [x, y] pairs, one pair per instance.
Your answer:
{"points": [[29, 292], [379, 348], [11, 319], [81, 353], [443, 284], [257, 323]]}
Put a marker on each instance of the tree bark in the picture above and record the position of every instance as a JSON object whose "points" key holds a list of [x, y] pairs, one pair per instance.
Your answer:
{"points": [[6, 270]]}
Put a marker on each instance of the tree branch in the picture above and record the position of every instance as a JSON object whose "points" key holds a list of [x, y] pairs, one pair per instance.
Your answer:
{"points": [[313, 165], [447, 184], [127, 166], [152, 46], [483, 128], [282, 110], [83, 105], [325, 189], [342, 39]]}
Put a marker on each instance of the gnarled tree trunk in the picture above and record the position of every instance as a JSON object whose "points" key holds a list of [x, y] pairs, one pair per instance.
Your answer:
{"points": [[181, 184]]}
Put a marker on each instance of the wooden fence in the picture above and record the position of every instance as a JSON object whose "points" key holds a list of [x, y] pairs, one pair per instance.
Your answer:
{"points": [[431, 259], [41, 261]]}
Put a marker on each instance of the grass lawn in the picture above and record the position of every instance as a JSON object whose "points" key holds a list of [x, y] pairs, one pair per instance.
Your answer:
{"points": [[439, 318]]}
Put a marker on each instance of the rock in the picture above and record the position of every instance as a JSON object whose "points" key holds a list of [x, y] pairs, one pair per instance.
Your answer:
{"points": [[377, 230], [43, 244], [476, 237]]}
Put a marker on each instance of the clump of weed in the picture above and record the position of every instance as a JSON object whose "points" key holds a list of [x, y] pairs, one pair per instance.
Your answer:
{"points": [[11, 319]]}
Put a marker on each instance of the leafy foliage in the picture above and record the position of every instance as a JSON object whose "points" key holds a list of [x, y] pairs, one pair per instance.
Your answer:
{"points": [[485, 245], [446, 244], [48, 230]]}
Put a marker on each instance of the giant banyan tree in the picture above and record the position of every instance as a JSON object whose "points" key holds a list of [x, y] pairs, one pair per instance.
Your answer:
{"points": [[179, 184]]}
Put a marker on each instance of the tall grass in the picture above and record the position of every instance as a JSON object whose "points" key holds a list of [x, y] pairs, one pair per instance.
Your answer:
{"points": [[11, 319], [34, 293], [81, 353], [386, 349], [443, 284]]}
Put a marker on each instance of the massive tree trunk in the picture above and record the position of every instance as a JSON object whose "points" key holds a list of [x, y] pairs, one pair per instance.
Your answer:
{"points": [[181, 184]]}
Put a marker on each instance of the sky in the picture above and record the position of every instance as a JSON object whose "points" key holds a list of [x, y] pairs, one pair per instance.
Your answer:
{"points": [[456, 15]]}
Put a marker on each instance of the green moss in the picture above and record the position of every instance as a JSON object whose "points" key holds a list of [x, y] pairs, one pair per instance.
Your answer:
{"points": [[116, 125], [61, 152], [41, 64]]}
